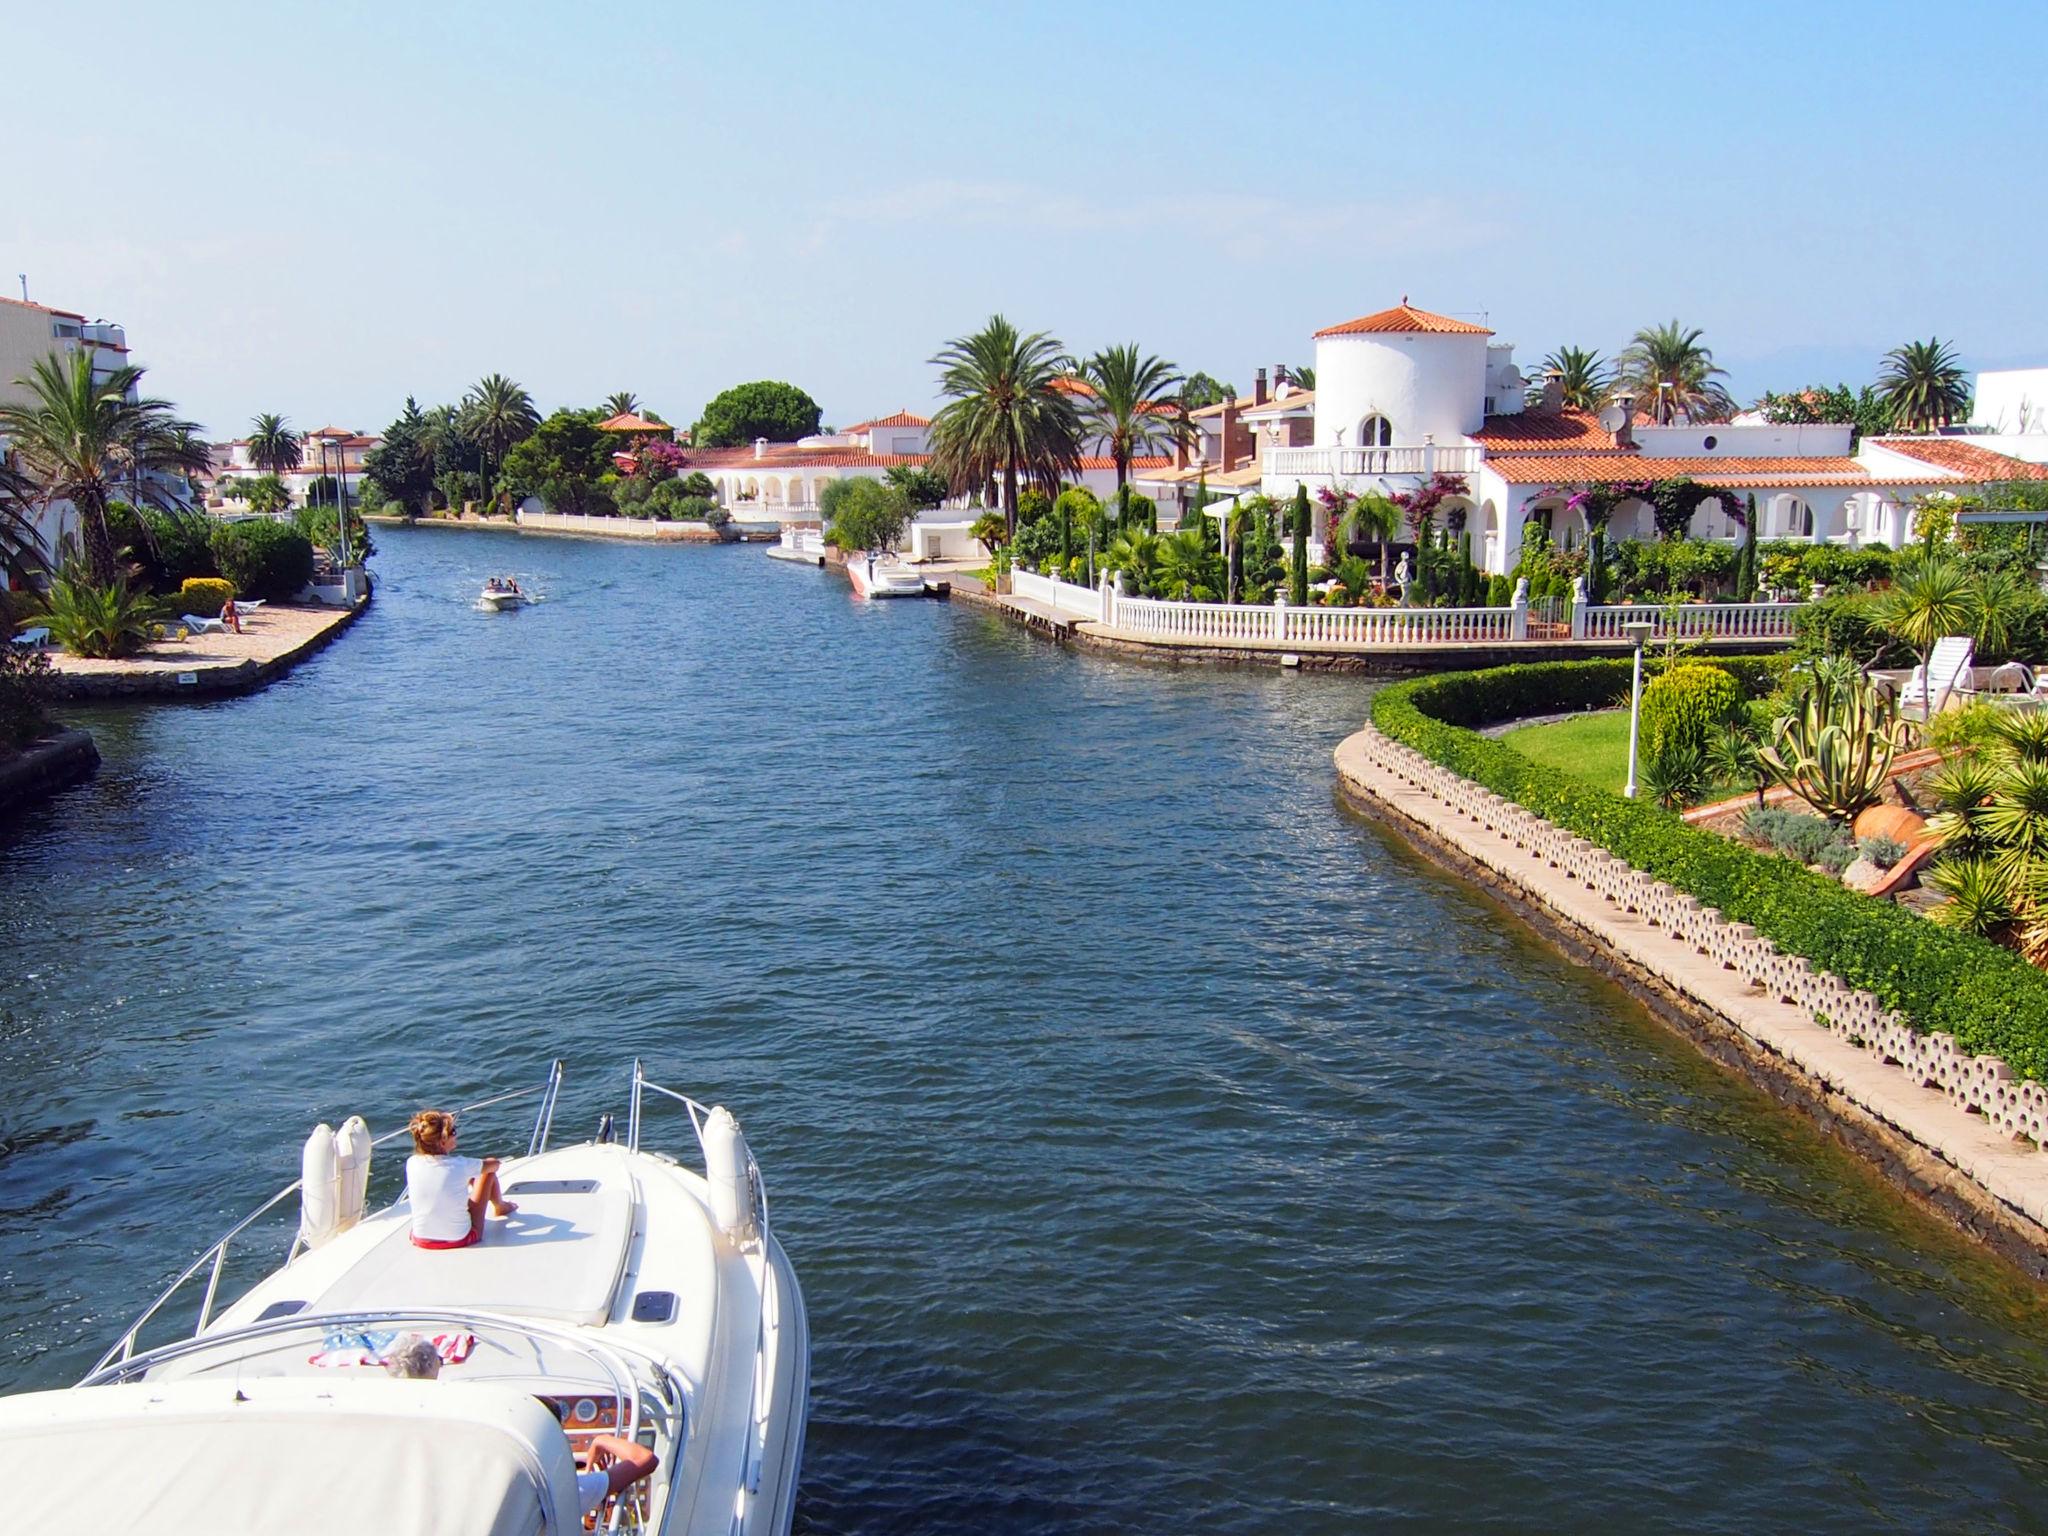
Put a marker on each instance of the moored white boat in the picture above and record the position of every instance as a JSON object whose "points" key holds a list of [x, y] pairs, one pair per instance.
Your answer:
{"points": [[876, 576], [804, 545], [627, 1296]]}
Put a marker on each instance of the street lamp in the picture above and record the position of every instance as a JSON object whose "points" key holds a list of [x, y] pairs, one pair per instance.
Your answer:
{"points": [[1637, 634]]}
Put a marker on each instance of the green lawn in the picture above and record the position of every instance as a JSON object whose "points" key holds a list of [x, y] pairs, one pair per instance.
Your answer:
{"points": [[1593, 747]]}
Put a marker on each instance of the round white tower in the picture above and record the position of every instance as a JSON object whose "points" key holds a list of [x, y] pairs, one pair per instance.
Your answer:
{"points": [[1397, 377]]}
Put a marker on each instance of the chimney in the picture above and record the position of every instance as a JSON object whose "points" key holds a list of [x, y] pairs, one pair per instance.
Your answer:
{"points": [[1259, 388], [760, 447], [1553, 392], [1227, 457], [1625, 434]]}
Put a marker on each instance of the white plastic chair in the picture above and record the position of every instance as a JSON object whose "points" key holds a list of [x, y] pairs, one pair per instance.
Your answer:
{"points": [[199, 626], [34, 639], [1947, 672]]}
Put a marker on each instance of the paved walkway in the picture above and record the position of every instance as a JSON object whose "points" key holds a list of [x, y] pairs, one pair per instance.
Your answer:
{"points": [[2010, 1170], [272, 639]]}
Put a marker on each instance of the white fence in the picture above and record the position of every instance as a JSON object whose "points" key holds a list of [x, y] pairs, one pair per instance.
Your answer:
{"points": [[613, 527], [1399, 459], [1688, 621], [1370, 628]]}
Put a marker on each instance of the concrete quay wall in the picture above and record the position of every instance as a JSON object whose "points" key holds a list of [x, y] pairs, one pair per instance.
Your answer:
{"points": [[1958, 1132], [44, 767]]}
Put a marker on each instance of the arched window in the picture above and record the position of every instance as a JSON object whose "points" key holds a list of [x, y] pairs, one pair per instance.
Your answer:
{"points": [[1375, 432], [1799, 519]]}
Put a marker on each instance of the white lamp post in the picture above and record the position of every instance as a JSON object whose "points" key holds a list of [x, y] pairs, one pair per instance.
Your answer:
{"points": [[1637, 634]]}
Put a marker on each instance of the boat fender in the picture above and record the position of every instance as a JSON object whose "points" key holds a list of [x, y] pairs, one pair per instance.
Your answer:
{"points": [[317, 1188], [352, 1172], [725, 1170]]}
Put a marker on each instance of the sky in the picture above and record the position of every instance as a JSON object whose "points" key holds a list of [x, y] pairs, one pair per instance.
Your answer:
{"points": [[320, 210]]}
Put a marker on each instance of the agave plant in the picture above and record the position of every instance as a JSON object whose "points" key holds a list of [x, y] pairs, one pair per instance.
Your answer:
{"points": [[91, 619], [1834, 750]]}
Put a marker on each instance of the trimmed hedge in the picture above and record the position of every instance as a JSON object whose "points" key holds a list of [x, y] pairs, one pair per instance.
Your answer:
{"points": [[1939, 980], [1684, 706], [205, 594]]}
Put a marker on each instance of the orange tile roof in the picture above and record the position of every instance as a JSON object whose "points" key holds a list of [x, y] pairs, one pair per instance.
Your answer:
{"points": [[1732, 472], [900, 419], [626, 421], [1104, 461], [1542, 432], [1405, 317], [787, 456], [1962, 457]]}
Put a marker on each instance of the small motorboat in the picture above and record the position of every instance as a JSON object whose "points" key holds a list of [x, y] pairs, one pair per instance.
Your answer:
{"points": [[628, 1298], [804, 546], [883, 575], [500, 593]]}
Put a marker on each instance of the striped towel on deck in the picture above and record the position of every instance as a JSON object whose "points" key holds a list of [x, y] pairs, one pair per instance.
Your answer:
{"points": [[367, 1348]]}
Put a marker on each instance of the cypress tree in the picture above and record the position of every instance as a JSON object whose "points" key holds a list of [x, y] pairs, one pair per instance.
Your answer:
{"points": [[1297, 571], [1745, 565], [1596, 565], [1468, 573]]}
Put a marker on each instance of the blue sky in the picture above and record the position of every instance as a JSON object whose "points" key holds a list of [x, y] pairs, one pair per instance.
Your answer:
{"points": [[319, 209]]}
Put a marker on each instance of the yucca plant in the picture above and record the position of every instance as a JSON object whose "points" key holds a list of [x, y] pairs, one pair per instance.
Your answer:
{"points": [[91, 619], [1733, 757], [1677, 776], [1979, 898], [1834, 750], [1962, 790]]}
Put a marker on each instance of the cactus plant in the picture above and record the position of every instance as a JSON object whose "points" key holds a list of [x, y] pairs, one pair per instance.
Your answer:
{"points": [[1834, 750]]}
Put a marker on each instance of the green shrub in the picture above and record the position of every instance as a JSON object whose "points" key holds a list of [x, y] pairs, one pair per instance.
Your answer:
{"points": [[87, 620], [1844, 625], [205, 594], [1938, 979], [1807, 839], [265, 560], [24, 677], [1884, 852], [180, 546], [1687, 707]]}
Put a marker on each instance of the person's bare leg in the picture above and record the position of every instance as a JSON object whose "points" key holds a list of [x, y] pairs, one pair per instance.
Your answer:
{"points": [[483, 1190]]}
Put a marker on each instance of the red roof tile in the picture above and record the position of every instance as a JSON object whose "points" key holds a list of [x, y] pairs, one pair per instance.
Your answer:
{"points": [[1736, 473], [627, 421], [900, 419], [1542, 432], [1963, 458], [1405, 317]]}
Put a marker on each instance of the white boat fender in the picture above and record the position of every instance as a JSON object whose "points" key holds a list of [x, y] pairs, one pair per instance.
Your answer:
{"points": [[318, 1188], [725, 1170], [352, 1172]]}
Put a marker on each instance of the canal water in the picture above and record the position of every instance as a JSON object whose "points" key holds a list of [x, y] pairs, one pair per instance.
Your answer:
{"points": [[1160, 1147]]}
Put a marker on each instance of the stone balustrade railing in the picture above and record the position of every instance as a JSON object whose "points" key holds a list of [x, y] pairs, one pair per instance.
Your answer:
{"points": [[1251, 624], [1982, 1085]]}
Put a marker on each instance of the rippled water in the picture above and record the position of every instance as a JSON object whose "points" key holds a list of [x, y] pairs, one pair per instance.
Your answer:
{"points": [[1160, 1147]]}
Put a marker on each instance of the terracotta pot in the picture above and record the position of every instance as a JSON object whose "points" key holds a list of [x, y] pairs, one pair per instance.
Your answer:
{"points": [[1892, 821]]}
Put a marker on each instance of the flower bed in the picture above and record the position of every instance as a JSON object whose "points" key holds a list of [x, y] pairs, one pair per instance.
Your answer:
{"points": [[1939, 980]]}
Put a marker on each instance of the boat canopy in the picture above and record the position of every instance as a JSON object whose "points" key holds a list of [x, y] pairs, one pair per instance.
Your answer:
{"points": [[200, 1458]]}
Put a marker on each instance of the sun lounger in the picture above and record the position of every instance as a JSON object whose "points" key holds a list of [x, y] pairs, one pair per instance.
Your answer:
{"points": [[1947, 672], [34, 639], [198, 626]]}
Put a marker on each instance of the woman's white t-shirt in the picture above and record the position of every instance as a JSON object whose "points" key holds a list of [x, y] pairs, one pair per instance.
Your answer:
{"points": [[438, 1188]]}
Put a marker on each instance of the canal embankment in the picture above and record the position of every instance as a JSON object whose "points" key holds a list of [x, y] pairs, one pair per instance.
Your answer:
{"points": [[274, 639], [58, 761], [1947, 1127]]}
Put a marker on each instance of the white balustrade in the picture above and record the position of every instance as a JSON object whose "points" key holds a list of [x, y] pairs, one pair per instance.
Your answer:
{"points": [[1689, 621], [1348, 463], [1060, 596], [1242, 623]]}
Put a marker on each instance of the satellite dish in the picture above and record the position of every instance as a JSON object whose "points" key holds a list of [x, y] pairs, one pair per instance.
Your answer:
{"points": [[1613, 418]]}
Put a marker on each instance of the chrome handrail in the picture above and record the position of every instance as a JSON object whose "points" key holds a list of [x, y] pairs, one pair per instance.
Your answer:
{"points": [[217, 1253]]}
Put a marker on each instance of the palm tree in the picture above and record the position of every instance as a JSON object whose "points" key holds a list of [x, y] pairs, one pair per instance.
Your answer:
{"points": [[82, 440], [1375, 515], [1924, 385], [1929, 597], [1670, 374], [1186, 565], [1006, 420], [20, 548], [1584, 375], [1135, 407], [621, 402], [497, 413], [273, 445]]}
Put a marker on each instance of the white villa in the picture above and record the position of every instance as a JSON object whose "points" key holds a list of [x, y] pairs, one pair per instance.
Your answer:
{"points": [[1404, 394], [335, 452]]}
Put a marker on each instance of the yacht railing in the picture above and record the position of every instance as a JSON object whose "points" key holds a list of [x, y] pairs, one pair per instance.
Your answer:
{"points": [[764, 1273], [214, 1259]]}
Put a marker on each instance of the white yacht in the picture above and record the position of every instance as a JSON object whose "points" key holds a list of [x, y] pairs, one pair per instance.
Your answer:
{"points": [[627, 1296], [804, 546], [883, 575]]}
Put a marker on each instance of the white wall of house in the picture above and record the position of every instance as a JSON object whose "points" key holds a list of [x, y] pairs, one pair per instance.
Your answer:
{"points": [[1748, 441], [1422, 383]]}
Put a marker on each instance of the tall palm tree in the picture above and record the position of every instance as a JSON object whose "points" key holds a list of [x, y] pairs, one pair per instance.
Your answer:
{"points": [[273, 445], [1377, 517], [1006, 420], [621, 402], [1135, 407], [1670, 374], [1929, 597], [1924, 385], [1584, 374], [497, 413], [20, 548], [85, 440]]}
